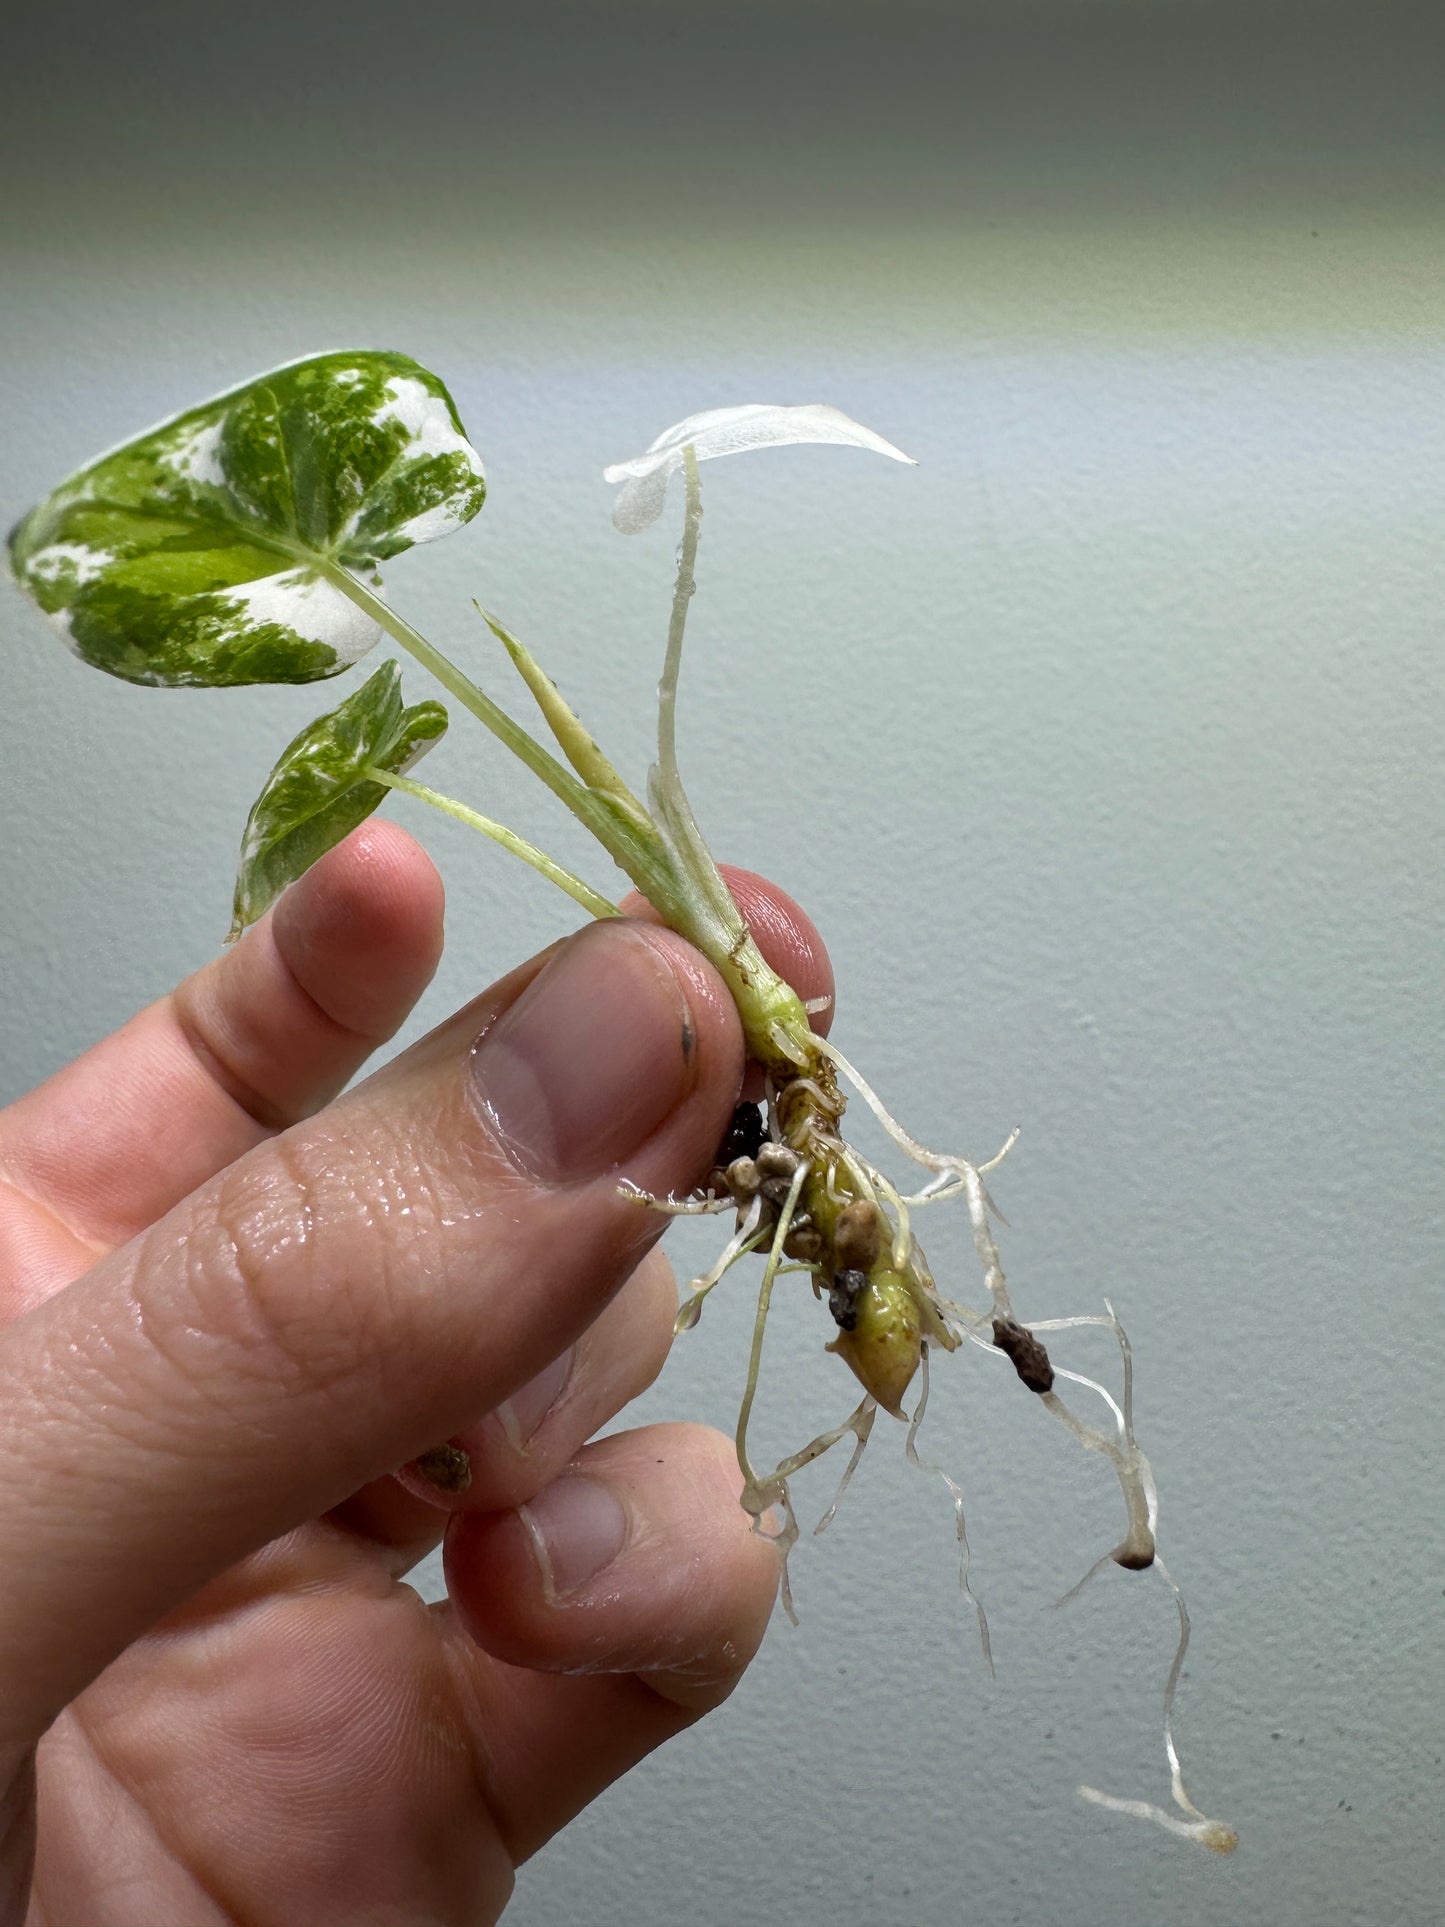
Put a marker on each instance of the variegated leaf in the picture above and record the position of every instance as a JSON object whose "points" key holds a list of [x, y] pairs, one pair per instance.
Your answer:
{"points": [[205, 551], [319, 791], [729, 431]]}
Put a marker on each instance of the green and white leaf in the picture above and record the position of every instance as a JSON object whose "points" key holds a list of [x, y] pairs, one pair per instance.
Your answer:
{"points": [[209, 550], [728, 431], [320, 790]]}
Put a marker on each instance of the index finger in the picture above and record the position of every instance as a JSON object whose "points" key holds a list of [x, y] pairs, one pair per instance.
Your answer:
{"points": [[256, 1039]]}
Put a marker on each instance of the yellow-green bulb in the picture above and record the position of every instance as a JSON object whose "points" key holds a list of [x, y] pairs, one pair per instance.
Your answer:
{"points": [[884, 1347]]}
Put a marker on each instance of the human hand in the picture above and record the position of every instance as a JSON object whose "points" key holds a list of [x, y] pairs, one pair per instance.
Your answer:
{"points": [[224, 1327]]}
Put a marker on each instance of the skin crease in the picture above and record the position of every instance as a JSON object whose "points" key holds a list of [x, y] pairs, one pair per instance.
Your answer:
{"points": [[242, 1713]]}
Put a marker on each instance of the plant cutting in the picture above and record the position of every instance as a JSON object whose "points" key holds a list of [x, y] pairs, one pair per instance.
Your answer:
{"points": [[240, 542]]}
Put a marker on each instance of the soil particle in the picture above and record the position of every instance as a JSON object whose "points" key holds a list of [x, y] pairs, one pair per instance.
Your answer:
{"points": [[1030, 1360], [744, 1137], [847, 1288], [447, 1467]]}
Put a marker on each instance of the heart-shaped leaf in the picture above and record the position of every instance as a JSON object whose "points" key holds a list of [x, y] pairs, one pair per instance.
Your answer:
{"points": [[319, 791], [208, 550]]}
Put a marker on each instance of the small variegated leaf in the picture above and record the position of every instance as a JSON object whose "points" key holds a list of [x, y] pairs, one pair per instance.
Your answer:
{"points": [[205, 551], [729, 431], [318, 792]]}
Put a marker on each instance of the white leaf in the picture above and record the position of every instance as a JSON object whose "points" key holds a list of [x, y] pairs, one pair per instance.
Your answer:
{"points": [[728, 431]]}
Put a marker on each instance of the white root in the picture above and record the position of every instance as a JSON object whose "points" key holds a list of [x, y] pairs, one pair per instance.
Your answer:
{"points": [[759, 1494], [951, 1181], [861, 1424], [952, 1177], [746, 1238], [1134, 1473], [930, 1160], [955, 1492], [1195, 1825], [1137, 1550], [773, 1491], [783, 1041], [703, 1206], [1214, 1834]]}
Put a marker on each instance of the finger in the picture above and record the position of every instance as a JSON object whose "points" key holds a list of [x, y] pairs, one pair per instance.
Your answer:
{"points": [[347, 1293], [513, 1452], [637, 1568], [255, 1040]]}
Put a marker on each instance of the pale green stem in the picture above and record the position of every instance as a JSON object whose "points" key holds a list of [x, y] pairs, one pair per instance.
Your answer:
{"points": [[580, 892], [720, 931], [632, 848], [705, 910], [666, 858], [560, 781], [683, 591]]}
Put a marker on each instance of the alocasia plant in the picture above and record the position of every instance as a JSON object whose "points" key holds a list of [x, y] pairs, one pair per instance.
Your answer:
{"points": [[240, 543]]}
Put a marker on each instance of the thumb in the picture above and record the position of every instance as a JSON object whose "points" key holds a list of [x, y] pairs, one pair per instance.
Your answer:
{"points": [[344, 1295]]}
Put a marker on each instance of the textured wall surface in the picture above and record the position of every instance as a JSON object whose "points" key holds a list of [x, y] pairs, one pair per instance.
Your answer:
{"points": [[1104, 748]]}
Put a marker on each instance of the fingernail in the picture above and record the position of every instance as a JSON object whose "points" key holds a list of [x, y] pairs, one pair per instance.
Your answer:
{"points": [[577, 1527], [592, 1057], [522, 1414]]}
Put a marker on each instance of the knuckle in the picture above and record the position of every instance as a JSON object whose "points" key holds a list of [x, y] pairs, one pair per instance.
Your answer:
{"points": [[287, 1269]]}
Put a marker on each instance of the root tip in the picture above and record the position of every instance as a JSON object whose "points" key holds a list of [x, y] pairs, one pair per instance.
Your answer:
{"points": [[1133, 1558], [1213, 1834]]}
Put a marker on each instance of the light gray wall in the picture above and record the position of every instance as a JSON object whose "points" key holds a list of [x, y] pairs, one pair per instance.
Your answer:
{"points": [[1104, 748]]}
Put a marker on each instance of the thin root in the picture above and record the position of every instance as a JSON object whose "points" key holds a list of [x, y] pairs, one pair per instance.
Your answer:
{"points": [[809, 1131], [861, 1425], [1194, 1825], [955, 1492], [1213, 1834], [704, 1205], [760, 1494], [746, 1238]]}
